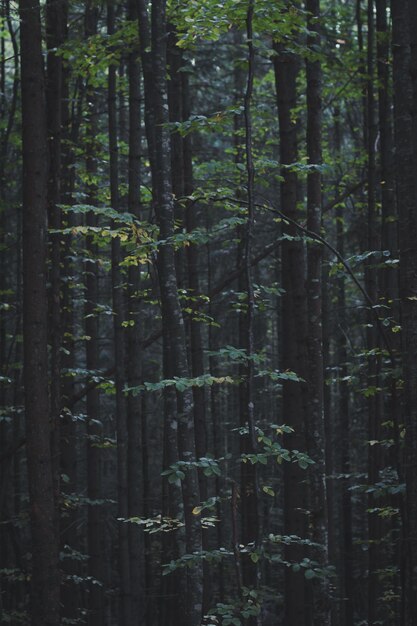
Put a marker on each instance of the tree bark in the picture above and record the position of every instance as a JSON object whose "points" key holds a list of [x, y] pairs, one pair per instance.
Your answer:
{"points": [[55, 35], [294, 334], [125, 615], [179, 414], [344, 465], [95, 526], [407, 211], [135, 416], [315, 380], [249, 472], [374, 361], [45, 596]]}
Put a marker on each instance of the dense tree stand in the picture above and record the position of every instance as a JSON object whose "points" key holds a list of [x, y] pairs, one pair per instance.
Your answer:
{"points": [[208, 313]]}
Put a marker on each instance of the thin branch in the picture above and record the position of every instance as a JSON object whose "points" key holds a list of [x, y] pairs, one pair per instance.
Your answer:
{"points": [[342, 196], [337, 254], [347, 267]]}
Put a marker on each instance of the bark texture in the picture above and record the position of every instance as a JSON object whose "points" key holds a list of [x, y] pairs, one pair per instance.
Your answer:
{"points": [[294, 332], [45, 606]]}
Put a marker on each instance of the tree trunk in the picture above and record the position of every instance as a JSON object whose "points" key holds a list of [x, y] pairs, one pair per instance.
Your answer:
{"points": [[294, 335], [249, 472], [55, 35], [135, 416], [69, 535], [374, 361], [45, 599], [407, 211], [315, 380], [389, 230], [344, 464], [96, 544], [180, 414], [119, 348]]}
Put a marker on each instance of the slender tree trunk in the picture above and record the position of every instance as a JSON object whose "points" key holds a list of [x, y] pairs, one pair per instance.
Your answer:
{"points": [[389, 231], [388, 279], [119, 348], [217, 437], [408, 286], [343, 404], [183, 187], [249, 472], [133, 349], [343, 431], [315, 380], [362, 67], [69, 532], [45, 608], [407, 211], [3, 286], [294, 335], [96, 546], [175, 65], [175, 586], [374, 364], [180, 417], [56, 15]]}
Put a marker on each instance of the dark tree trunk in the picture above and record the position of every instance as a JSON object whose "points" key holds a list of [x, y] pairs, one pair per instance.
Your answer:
{"points": [[389, 230], [188, 261], [135, 416], [125, 616], [344, 464], [408, 291], [407, 212], [374, 402], [69, 532], [175, 66], [179, 410], [315, 379], [249, 472], [96, 543], [294, 335], [56, 16], [45, 597], [388, 285], [175, 586]]}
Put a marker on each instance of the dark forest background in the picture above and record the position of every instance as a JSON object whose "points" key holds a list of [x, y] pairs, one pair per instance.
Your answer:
{"points": [[208, 312]]}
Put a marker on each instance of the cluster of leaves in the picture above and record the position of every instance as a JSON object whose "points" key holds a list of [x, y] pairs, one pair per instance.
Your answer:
{"points": [[274, 449], [236, 613], [91, 57], [191, 560], [203, 21], [176, 472], [181, 384], [157, 524]]}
